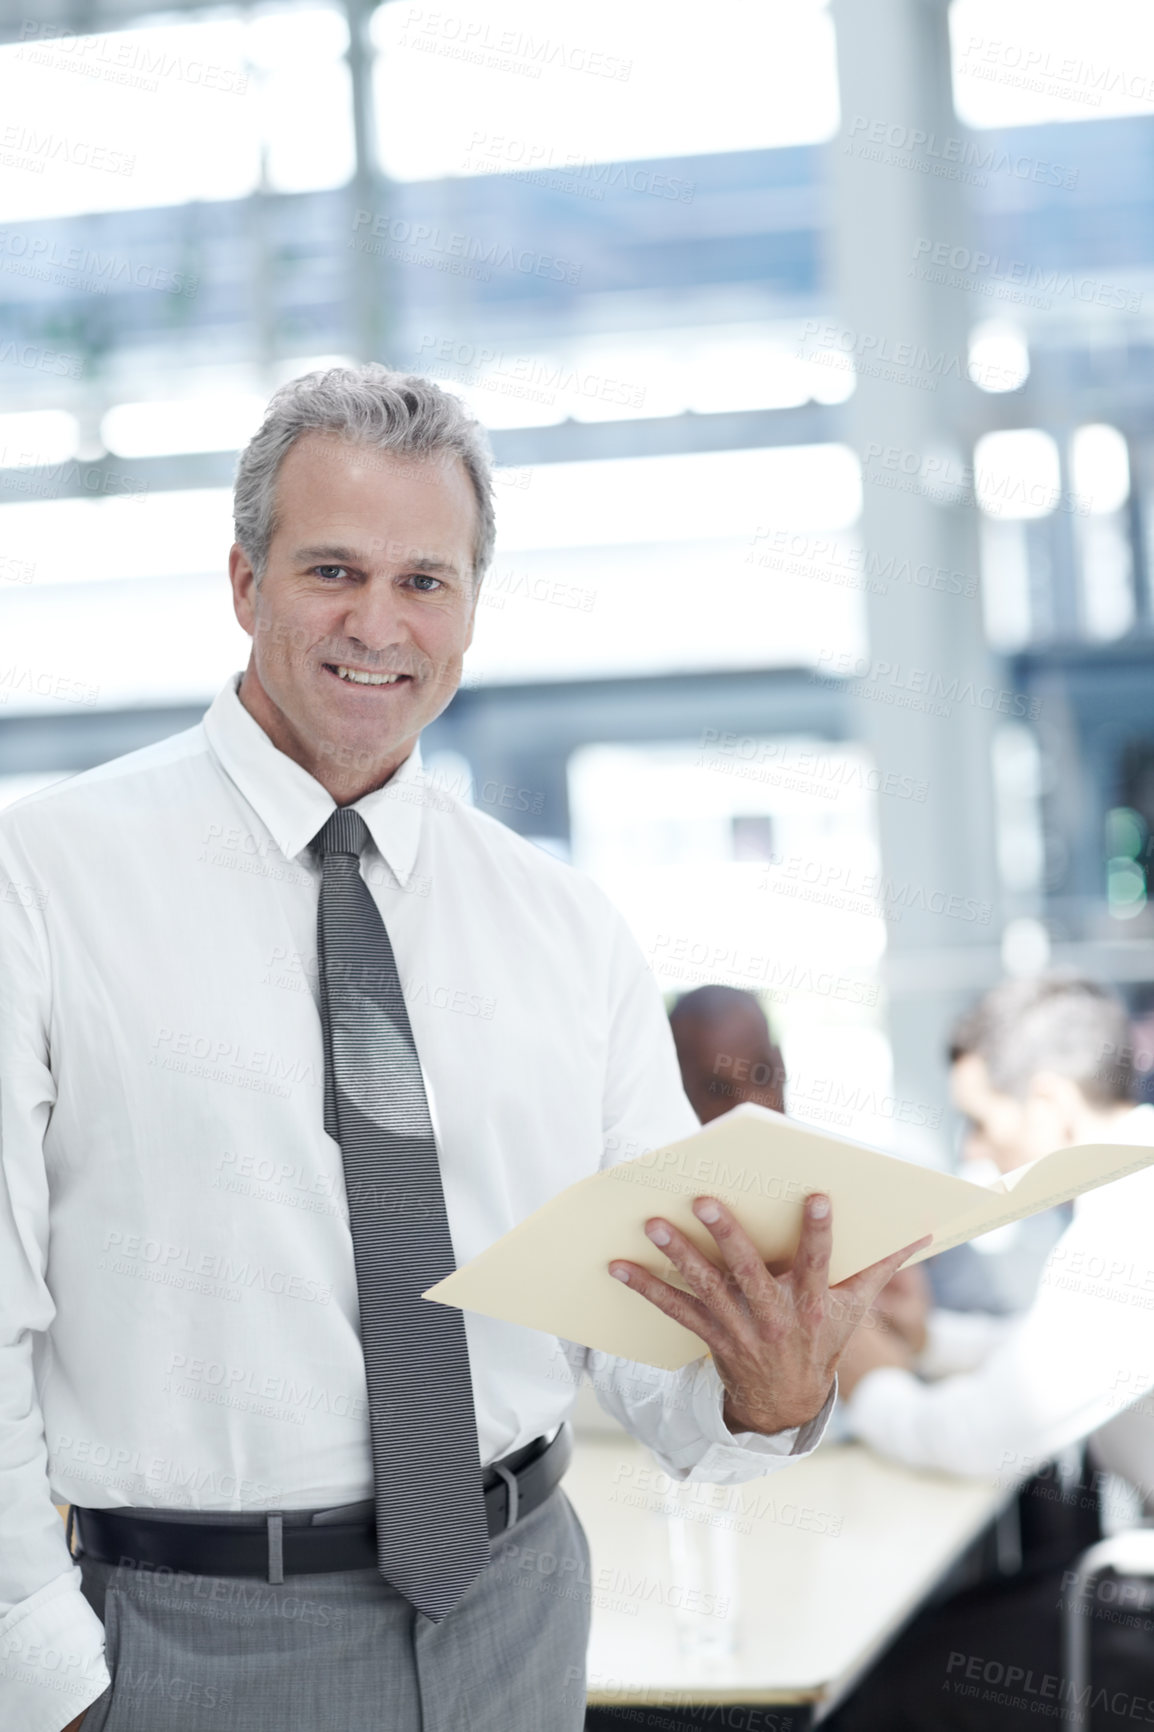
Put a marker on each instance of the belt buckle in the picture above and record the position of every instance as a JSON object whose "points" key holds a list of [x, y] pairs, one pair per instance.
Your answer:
{"points": [[275, 1532], [511, 1492]]}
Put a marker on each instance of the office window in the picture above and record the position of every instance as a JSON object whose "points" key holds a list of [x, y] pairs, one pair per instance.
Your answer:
{"points": [[1024, 62], [515, 87], [102, 122]]}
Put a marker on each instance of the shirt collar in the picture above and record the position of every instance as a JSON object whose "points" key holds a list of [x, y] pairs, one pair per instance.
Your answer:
{"points": [[293, 805]]}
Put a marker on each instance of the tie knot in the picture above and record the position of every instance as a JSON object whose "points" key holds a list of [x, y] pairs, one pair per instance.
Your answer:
{"points": [[345, 832]]}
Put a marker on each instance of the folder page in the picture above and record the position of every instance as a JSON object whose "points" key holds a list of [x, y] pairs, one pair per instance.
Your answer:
{"points": [[1043, 1184], [551, 1271]]}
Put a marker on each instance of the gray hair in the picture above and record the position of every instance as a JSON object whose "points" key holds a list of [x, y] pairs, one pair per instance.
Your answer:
{"points": [[1056, 1022], [370, 405]]}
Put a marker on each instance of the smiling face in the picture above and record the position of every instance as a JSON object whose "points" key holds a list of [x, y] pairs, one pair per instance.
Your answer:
{"points": [[365, 609]]}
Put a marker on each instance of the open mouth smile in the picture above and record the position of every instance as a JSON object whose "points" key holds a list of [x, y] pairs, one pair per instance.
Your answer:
{"points": [[359, 677]]}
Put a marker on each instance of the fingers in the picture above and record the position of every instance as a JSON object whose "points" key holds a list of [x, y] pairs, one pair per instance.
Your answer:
{"points": [[865, 1286], [712, 1308], [704, 1278], [810, 1269], [682, 1307], [742, 1259]]}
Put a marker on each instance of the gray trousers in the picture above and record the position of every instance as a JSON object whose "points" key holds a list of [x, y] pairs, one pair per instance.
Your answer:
{"points": [[343, 1651]]}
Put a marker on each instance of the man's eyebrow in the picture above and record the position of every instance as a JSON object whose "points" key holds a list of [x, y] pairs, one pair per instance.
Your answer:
{"points": [[350, 556], [327, 551], [428, 563]]}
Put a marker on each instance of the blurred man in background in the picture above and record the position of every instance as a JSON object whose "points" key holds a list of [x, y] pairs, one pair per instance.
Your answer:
{"points": [[726, 1051], [1037, 1066]]}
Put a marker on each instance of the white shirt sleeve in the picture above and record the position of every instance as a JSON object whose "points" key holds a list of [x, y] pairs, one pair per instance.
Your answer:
{"points": [[679, 1418], [959, 1341], [51, 1641], [677, 1414], [1082, 1353]]}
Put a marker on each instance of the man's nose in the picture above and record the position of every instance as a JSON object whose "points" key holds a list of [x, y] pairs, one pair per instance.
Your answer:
{"points": [[374, 616]]}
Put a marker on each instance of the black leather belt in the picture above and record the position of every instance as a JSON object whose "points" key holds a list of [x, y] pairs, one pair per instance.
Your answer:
{"points": [[270, 1548]]}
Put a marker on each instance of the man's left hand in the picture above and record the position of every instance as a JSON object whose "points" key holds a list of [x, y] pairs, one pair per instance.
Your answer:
{"points": [[776, 1340]]}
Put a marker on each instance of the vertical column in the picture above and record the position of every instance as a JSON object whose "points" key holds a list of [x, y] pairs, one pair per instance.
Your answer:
{"points": [[370, 322], [929, 693], [1136, 524]]}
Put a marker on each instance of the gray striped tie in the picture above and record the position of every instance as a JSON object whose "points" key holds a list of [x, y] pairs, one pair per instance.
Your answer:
{"points": [[432, 1533]]}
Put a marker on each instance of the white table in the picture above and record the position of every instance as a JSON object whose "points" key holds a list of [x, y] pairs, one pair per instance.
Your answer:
{"points": [[781, 1591]]}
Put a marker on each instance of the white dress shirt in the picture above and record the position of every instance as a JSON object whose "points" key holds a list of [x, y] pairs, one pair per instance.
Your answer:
{"points": [[1079, 1363], [178, 1301]]}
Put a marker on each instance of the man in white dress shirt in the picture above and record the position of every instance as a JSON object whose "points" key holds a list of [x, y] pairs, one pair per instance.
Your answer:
{"points": [[1039, 1065], [179, 1330]]}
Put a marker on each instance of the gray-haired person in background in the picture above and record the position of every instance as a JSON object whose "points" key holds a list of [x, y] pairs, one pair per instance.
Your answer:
{"points": [[1038, 1065], [285, 1034]]}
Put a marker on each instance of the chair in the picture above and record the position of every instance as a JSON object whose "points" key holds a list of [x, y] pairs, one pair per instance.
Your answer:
{"points": [[1130, 1553]]}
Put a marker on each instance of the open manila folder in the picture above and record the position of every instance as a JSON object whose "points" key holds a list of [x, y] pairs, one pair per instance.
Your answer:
{"points": [[552, 1271]]}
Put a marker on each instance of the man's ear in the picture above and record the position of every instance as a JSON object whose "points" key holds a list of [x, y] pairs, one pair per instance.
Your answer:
{"points": [[242, 577]]}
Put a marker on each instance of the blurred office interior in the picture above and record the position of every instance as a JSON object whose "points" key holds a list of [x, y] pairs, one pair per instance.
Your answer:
{"points": [[817, 348]]}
